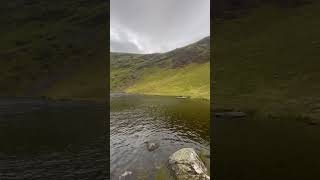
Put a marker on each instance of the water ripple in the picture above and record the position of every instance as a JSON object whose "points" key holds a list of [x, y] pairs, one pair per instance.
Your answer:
{"points": [[172, 123]]}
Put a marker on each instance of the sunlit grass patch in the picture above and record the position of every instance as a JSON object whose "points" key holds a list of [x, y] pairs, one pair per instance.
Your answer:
{"points": [[192, 80]]}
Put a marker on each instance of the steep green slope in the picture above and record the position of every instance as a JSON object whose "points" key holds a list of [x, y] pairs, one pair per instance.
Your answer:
{"points": [[181, 72], [268, 61], [53, 48], [192, 80]]}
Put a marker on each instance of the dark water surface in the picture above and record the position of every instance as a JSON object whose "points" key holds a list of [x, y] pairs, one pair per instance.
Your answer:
{"points": [[52, 140], [266, 148], [173, 123]]}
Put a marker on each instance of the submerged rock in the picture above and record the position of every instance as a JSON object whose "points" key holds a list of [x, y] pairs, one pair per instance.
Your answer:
{"points": [[151, 146], [236, 114], [186, 164]]}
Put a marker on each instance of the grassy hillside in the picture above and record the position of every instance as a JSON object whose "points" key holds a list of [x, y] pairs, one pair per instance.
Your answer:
{"points": [[53, 48], [181, 72], [192, 80], [268, 60]]}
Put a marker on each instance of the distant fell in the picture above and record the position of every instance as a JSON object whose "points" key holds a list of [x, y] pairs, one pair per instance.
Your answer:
{"points": [[148, 73]]}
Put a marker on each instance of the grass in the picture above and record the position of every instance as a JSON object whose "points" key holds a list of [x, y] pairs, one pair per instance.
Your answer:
{"points": [[45, 44], [87, 83], [192, 80], [268, 61]]}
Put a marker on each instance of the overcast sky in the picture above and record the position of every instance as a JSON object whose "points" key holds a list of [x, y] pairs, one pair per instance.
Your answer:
{"points": [[149, 26]]}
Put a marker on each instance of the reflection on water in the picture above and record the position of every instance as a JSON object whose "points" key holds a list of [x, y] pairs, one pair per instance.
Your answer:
{"points": [[52, 140], [173, 123]]}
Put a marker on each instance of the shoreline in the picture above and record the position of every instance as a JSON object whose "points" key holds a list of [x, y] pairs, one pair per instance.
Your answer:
{"points": [[164, 95]]}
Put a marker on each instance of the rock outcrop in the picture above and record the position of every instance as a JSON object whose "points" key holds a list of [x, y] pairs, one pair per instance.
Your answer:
{"points": [[186, 165]]}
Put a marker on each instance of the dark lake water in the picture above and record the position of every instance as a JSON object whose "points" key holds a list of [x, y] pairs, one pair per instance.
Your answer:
{"points": [[170, 122], [266, 148], [52, 140]]}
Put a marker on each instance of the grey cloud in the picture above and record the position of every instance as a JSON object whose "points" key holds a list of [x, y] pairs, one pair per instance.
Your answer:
{"points": [[147, 26], [118, 46]]}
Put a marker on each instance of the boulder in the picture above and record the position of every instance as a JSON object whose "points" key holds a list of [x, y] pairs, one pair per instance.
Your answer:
{"points": [[151, 146], [186, 164]]}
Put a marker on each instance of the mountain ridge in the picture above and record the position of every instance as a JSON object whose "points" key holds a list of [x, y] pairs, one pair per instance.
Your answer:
{"points": [[128, 69]]}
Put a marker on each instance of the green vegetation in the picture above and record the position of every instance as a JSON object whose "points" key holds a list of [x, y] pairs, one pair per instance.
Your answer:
{"points": [[192, 80], [87, 83], [181, 72], [268, 61], [163, 174], [53, 48]]}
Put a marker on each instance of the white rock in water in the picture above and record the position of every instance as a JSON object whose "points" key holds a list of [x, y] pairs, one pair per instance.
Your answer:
{"points": [[125, 174], [186, 164]]}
